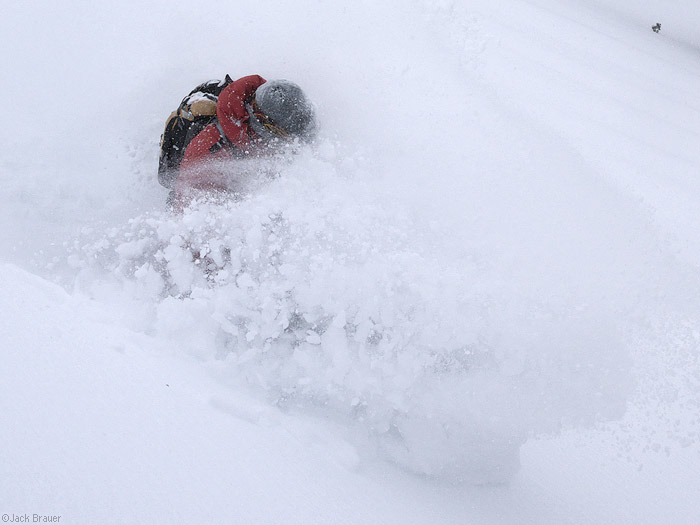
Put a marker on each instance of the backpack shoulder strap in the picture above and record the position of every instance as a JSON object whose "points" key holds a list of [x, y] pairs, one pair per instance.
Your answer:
{"points": [[224, 142]]}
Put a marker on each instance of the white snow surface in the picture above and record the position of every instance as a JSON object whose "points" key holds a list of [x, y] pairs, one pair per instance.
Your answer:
{"points": [[475, 299]]}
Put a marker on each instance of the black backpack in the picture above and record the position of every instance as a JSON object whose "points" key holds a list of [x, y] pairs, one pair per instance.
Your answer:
{"points": [[196, 111]]}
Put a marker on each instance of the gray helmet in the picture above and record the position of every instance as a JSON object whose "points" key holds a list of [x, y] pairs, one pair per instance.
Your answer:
{"points": [[281, 108]]}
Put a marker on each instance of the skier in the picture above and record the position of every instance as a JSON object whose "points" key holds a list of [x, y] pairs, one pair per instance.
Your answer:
{"points": [[223, 120]]}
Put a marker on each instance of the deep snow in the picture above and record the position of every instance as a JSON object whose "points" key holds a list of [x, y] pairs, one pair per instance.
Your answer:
{"points": [[485, 271]]}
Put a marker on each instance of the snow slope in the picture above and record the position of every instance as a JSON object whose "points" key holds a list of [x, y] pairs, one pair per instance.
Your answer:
{"points": [[474, 300]]}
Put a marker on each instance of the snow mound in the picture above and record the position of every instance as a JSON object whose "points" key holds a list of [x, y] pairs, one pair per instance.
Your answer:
{"points": [[321, 293]]}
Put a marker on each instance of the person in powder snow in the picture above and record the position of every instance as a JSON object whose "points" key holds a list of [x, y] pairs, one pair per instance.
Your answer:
{"points": [[229, 119]]}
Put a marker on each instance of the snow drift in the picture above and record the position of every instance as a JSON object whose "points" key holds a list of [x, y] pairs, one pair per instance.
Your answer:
{"points": [[323, 290]]}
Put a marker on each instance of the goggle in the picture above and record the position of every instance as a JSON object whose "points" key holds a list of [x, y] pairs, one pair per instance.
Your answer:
{"points": [[266, 121]]}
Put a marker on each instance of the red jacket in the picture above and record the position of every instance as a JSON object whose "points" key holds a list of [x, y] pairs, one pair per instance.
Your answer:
{"points": [[209, 145]]}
